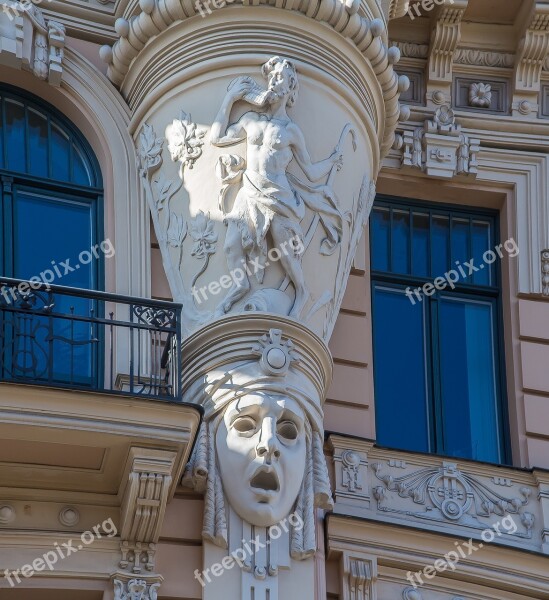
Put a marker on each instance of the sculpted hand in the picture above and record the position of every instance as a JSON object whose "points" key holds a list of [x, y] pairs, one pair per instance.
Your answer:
{"points": [[337, 159], [240, 87]]}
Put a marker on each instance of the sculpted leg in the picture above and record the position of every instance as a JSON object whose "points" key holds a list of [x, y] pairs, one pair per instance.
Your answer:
{"points": [[236, 263], [282, 239]]}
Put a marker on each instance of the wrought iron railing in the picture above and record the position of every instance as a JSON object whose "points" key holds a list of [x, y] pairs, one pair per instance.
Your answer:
{"points": [[80, 339]]}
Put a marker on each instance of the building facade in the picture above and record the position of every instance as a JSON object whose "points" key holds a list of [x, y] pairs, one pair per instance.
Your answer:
{"points": [[274, 285]]}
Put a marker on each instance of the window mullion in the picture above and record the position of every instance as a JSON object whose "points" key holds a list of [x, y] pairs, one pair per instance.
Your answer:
{"points": [[437, 421]]}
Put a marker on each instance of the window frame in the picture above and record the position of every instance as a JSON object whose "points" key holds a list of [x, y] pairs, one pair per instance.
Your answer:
{"points": [[468, 291], [12, 182]]}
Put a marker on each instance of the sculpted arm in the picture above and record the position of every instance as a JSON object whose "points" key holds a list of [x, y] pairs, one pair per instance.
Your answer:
{"points": [[221, 133], [313, 171]]}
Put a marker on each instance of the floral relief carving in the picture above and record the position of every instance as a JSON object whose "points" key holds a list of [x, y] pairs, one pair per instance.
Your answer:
{"points": [[480, 95], [170, 226], [185, 141], [450, 495], [205, 241]]}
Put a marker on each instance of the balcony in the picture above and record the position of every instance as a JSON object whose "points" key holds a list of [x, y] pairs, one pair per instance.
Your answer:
{"points": [[85, 340], [90, 406]]}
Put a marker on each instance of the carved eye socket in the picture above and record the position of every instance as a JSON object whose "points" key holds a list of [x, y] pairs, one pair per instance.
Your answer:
{"points": [[244, 424], [287, 430]]}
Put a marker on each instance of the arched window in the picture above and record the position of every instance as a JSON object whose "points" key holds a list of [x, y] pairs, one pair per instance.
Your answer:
{"points": [[51, 230], [51, 194]]}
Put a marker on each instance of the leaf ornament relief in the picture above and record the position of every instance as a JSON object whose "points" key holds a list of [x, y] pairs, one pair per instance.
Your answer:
{"points": [[450, 494]]}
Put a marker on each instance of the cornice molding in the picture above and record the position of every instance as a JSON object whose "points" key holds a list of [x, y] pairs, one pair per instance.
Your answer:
{"points": [[411, 50], [482, 58]]}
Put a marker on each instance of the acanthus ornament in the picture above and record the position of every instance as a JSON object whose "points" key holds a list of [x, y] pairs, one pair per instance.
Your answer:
{"points": [[481, 58], [451, 495]]}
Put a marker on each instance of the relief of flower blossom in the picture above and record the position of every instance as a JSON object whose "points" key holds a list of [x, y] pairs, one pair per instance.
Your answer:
{"points": [[480, 95]]}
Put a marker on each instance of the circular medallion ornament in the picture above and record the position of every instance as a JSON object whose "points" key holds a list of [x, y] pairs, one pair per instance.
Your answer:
{"points": [[69, 516], [7, 514]]}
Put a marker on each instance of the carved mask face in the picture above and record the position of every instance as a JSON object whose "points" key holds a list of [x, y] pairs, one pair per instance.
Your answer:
{"points": [[261, 452]]}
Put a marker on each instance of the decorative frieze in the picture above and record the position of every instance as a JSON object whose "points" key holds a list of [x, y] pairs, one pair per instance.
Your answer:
{"points": [[439, 148], [411, 50], [29, 42], [459, 499], [483, 58]]}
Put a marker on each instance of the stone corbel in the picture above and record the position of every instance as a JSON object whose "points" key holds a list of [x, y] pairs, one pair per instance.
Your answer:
{"points": [[532, 53], [149, 482], [396, 8], [359, 576], [28, 42], [439, 148], [445, 37]]}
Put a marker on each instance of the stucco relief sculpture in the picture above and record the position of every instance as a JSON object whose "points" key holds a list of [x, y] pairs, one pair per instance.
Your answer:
{"points": [[262, 213], [450, 495], [439, 148], [260, 448], [270, 200]]}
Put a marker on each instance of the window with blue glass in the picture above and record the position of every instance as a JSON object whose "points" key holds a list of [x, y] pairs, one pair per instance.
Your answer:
{"points": [[50, 212], [438, 358]]}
